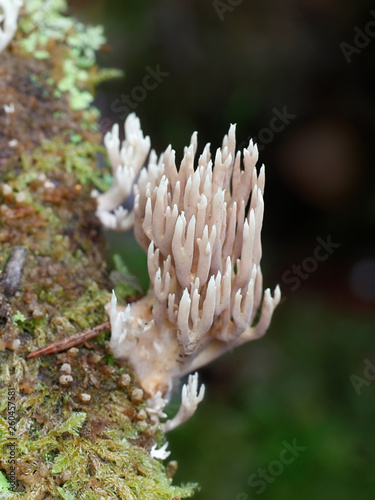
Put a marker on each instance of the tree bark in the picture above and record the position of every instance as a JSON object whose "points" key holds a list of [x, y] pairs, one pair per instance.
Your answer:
{"points": [[74, 424]]}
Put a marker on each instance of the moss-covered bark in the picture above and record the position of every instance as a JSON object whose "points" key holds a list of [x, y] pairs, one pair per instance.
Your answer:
{"points": [[80, 426]]}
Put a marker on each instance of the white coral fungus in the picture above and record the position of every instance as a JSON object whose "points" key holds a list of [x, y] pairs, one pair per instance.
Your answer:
{"points": [[9, 109], [161, 453], [8, 20], [189, 403], [203, 251], [126, 162]]}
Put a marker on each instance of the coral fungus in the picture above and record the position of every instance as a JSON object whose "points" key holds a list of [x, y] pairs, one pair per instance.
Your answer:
{"points": [[203, 251]]}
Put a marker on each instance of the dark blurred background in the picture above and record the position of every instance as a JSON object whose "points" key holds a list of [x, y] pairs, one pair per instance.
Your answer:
{"points": [[298, 76]]}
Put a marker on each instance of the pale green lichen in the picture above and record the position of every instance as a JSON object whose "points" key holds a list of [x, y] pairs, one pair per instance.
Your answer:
{"points": [[45, 21]]}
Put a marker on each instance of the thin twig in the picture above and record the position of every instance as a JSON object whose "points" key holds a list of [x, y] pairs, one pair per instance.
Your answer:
{"points": [[72, 341]]}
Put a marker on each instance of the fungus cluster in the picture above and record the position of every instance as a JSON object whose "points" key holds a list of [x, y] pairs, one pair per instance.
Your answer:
{"points": [[200, 225]]}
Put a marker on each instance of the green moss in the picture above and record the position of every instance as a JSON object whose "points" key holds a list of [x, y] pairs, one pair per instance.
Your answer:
{"points": [[75, 156], [4, 485], [88, 310], [18, 318], [59, 444]]}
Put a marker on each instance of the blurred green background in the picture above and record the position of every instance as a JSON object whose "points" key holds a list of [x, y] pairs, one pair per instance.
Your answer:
{"points": [[248, 62]]}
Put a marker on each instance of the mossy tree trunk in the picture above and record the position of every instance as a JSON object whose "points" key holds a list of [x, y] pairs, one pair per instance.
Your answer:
{"points": [[75, 422]]}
